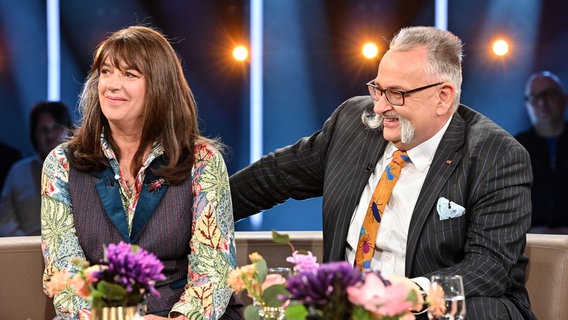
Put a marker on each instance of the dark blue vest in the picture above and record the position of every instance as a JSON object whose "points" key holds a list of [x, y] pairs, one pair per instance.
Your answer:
{"points": [[161, 225]]}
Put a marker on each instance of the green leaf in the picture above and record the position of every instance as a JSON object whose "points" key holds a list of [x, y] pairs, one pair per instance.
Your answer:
{"points": [[412, 297], [262, 269], [296, 312], [111, 291], [251, 313], [359, 313], [280, 238], [270, 295]]}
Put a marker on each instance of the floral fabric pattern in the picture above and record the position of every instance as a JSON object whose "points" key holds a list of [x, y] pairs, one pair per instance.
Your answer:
{"points": [[212, 243]]}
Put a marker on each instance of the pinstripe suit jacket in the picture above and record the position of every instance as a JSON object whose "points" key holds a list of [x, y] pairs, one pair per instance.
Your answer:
{"points": [[477, 165]]}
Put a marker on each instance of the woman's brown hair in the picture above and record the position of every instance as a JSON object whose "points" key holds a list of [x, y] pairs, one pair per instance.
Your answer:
{"points": [[170, 114]]}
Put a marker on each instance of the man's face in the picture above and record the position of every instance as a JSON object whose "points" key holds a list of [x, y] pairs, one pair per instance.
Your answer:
{"points": [[423, 113], [545, 101]]}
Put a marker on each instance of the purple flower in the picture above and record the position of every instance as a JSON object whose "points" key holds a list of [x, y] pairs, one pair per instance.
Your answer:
{"points": [[316, 286], [133, 267]]}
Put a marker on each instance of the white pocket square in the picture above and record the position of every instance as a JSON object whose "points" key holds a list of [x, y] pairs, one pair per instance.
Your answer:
{"points": [[448, 209]]}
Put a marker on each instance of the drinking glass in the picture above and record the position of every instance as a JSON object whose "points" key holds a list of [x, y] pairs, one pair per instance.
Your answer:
{"points": [[450, 289], [274, 276]]}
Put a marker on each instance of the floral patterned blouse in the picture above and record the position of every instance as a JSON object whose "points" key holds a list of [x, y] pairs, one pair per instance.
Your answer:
{"points": [[210, 186]]}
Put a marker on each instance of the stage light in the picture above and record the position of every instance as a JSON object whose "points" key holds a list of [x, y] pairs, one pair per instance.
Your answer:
{"points": [[500, 47], [240, 53], [370, 50]]}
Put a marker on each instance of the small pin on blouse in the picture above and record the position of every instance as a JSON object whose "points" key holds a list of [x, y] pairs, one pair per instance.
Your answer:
{"points": [[448, 161]]}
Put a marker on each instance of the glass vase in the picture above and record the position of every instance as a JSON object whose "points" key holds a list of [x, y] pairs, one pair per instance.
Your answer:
{"points": [[271, 313], [118, 313]]}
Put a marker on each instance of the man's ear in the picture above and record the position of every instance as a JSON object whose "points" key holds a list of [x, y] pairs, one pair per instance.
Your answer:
{"points": [[446, 96]]}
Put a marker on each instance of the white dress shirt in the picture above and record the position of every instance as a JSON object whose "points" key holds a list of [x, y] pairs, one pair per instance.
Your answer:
{"points": [[390, 250]]}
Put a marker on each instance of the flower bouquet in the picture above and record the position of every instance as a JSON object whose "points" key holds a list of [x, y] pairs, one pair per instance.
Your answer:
{"points": [[123, 278], [334, 290]]}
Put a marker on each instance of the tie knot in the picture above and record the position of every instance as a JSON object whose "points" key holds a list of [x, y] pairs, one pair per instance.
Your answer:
{"points": [[400, 157]]}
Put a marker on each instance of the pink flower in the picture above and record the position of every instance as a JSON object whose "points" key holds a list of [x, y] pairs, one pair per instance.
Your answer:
{"points": [[367, 294], [436, 301], [379, 299], [272, 279], [303, 261], [80, 286], [82, 283], [236, 280], [410, 285], [59, 280], [394, 301]]}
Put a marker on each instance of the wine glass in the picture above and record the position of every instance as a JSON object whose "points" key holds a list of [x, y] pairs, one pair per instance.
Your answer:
{"points": [[273, 276], [448, 288]]}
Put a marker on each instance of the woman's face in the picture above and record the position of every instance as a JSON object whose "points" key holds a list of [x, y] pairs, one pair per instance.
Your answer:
{"points": [[122, 94], [48, 134]]}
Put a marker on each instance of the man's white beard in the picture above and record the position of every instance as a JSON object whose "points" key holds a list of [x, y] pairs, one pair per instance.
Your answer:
{"points": [[407, 131]]}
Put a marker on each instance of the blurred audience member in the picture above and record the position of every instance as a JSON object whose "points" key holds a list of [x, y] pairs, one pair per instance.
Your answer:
{"points": [[20, 203], [547, 143], [8, 158]]}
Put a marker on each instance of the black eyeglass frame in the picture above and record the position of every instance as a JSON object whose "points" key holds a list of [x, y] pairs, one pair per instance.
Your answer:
{"points": [[374, 90]]}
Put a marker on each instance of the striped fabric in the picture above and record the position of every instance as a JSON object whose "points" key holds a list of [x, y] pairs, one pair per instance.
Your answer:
{"points": [[477, 165]]}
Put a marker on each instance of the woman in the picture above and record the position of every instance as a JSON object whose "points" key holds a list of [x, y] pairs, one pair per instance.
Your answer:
{"points": [[137, 170], [50, 122]]}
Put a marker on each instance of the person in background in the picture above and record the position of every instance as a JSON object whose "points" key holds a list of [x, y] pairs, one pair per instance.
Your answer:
{"points": [[8, 158], [137, 170], [547, 143], [20, 202], [461, 204]]}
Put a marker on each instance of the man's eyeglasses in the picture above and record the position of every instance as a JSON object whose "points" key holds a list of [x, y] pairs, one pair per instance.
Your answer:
{"points": [[394, 97], [546, 95]]}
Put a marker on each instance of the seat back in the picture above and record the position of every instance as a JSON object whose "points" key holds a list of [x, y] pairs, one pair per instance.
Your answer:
{"points": [[547, 275], [21, 267]]}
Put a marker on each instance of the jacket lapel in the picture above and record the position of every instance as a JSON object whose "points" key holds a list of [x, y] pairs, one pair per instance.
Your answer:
{"points": [[374, 146], [445, 161], [150, 197], [109, 193]]}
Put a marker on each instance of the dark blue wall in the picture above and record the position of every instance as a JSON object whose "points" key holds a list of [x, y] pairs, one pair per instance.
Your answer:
{"points": [[311, 55]]}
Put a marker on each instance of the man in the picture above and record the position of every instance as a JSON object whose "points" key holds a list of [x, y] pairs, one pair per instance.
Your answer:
{"points": [[547, 143], [20, 202], [462, 203]]}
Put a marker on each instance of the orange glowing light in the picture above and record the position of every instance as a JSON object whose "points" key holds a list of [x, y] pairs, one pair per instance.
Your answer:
{"points": [[500, 47], [240, 53], [370, 50]]}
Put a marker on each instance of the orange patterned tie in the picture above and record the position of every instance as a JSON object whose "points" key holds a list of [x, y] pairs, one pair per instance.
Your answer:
{"points": [[368, 236]]}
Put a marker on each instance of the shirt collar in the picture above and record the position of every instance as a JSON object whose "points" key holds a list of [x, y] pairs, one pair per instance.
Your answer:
{"points": [[156, 151], [421, 155]]}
